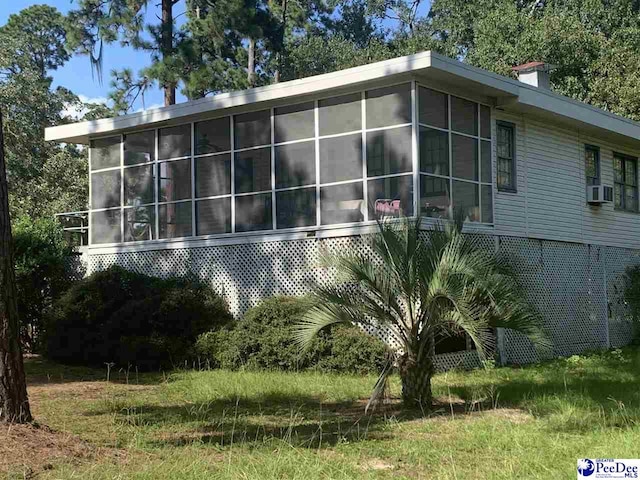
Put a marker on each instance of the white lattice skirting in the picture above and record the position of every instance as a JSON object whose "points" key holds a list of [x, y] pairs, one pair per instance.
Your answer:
{"points": [[577, 287]]}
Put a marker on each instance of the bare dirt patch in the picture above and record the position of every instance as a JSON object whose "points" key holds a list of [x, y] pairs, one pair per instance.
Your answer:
{"points": [[30, 449]]}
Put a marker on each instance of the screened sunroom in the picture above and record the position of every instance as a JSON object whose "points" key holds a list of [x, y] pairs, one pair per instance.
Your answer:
{"points": [[340, 160]]}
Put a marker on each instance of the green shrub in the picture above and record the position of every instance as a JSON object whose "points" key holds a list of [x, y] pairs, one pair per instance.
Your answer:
{"points": [[40, 254], [263, 339], [129, 318]]}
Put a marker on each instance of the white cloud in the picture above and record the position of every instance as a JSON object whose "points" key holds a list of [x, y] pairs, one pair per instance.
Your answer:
{"points": [[77, 111]]}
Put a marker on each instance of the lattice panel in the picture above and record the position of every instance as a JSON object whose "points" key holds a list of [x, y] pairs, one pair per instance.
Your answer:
{"points": [[620, 325], [569, 283], [565, 281]]}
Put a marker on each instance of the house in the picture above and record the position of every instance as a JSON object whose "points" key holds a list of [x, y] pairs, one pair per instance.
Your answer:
{"points": [[247, 188]]}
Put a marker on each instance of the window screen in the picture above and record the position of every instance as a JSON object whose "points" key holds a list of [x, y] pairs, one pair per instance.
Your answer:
{"points": [[625, 182], [464, 152], [485, 121], [389, 106], [433, 108], [140, 147], [253, 170], [105, 189], [174, 142], [253, 212], [464, 117], [295, 164], [487, 203], [340, 114], [465, 201], [213, 216], [434, 197], [485, 161], [140, 224], [592, 164], [341, 158], [213, 136], [175, 220], [389, 151], [390, 197], [213, 175], [294, 122], [434, 151], [342, 203], [505, 149], [105, 153], [174, 180], [296, 208], [138, 185], [252, 129], [105, 227]]}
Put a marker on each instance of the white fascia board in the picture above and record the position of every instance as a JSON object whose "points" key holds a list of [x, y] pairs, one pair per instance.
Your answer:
{"points": [[79, 132], [544, 101]]}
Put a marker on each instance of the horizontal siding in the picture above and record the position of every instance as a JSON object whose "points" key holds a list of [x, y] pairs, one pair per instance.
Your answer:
{"points": [[510, 208], [550, 202]]}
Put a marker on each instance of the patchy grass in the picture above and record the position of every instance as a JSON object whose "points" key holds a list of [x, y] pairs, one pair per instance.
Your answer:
{"points": [[531, 422]]}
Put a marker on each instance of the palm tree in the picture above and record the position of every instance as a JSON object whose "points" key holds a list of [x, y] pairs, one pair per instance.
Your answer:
{"points": [[422, 287]]}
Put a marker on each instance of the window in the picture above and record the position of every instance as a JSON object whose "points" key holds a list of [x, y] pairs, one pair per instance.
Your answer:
{"points": [[252, 129], [592, 164], [625, 177], [174, 181], [296, 208], [341, 158], [105, 153], [140, 147], [294, 122], [174, 142], [105, 189], [389, 106], [213, 216], [138, 185], [105, 226], [390, 197], [340, 114], [213, 136], [389, 151], [342, 203], [253, 212], [506, 171], [140, 224], [455, 157], [175, 220], [213, 175], [295, 164], [253, 170]]}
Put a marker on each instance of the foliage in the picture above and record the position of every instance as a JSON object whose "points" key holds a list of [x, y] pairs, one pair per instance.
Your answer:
{"points": [[41, 254], [422, 289], [264, 339], [632, 297], [129, 318]]}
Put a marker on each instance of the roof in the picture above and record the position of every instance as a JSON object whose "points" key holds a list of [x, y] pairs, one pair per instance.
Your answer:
{"points": [[508, 94]]}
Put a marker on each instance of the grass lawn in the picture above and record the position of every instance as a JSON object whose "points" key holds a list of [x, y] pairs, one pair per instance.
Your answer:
{"points": [[531, 422]]}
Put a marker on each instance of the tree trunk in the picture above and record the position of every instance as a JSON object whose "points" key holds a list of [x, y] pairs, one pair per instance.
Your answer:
{"points": [[251, 66], [166, 47], [281, 53], [14, 403], [416, 370]]}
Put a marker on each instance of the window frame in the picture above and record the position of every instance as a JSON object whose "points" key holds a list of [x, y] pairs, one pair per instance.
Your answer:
{"points": [[624, 159], [364, 181], [596, 150], [513, 187]]}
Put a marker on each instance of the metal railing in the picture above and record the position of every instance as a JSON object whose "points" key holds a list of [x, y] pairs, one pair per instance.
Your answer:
{"points": [[75, 226]]}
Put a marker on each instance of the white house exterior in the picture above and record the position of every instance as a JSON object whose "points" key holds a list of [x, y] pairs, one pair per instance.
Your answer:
{"points": [[247, 188]]}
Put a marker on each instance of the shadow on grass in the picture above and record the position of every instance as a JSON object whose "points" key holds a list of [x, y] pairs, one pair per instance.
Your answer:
{"points": [[41, 371]]}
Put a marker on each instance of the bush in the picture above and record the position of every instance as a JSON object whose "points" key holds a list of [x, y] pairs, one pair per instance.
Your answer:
{"points": [[129, 318], [263, 339], [41, 256]]}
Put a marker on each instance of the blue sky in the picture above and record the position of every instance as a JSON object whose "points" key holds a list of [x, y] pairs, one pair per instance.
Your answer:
{"points": [[76, 74]]}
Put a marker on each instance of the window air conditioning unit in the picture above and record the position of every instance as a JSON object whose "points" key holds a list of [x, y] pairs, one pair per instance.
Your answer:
{"points": [[598, 194]]}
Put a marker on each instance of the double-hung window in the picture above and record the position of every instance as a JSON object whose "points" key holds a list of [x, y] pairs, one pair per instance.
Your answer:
{"points": [[506, 168], [625, 177], [592, 164]]}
